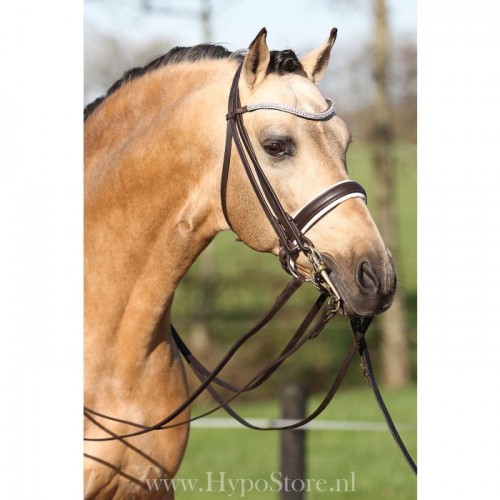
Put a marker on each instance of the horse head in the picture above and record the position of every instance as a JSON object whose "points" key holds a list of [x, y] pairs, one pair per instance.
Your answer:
{"points": [[302, 158]]}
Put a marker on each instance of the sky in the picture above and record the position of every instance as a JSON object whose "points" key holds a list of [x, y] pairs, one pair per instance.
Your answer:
{"points": [[298, 24]]}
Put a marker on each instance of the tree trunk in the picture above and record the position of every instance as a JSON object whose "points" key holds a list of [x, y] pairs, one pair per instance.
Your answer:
{"points": [[207, 276], [395, 370]]}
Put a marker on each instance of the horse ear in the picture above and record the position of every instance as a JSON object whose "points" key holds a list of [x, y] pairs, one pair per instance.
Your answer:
{"points": [[316, 62], [256, 60]]}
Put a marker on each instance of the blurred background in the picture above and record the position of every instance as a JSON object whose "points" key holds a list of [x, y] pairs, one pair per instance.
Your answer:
{"points": [[372, 78]]}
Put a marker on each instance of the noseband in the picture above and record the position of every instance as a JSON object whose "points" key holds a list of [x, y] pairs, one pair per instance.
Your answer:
{"points": [[289, 230]]}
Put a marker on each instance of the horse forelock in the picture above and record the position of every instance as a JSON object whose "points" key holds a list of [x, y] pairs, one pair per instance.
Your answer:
{"points": [[281, 62], [284, 61]]}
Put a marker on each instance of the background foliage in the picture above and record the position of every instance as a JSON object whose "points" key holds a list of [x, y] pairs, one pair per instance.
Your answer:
{"points": [[244, 284]]}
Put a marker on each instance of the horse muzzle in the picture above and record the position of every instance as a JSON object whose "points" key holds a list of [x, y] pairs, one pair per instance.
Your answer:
{"points": [[367, 291]]}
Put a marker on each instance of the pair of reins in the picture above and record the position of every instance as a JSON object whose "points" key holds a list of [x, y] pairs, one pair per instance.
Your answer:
{"points": [[292, 241]]}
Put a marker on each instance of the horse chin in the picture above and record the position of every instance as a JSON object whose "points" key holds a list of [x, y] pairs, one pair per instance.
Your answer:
{"points": [[347, 310], [357, 306]]}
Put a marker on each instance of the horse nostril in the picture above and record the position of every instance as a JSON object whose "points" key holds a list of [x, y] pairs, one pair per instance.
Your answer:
{"points": [[366, 278]]}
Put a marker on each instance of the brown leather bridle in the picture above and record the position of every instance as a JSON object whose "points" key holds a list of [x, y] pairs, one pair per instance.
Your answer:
{"points": [[292, 241], [289, 230]]}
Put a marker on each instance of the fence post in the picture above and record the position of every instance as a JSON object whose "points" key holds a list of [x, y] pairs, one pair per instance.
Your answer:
{"points": [[293, 406]]}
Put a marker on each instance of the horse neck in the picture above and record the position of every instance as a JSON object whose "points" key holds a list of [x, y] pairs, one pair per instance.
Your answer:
{"points": [[152, 200]]}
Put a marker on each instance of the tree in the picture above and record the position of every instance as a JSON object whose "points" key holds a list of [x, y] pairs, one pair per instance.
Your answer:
{"points": [[395, 371], [199, 329]]}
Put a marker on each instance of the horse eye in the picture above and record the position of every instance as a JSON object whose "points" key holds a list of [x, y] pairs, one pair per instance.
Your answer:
{"points": [[277, 148]]}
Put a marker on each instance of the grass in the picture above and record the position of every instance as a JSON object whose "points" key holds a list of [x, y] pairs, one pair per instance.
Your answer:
{"points": [[245, 283], [380, 471], [244, 286], [234, 264], [405, 160]]}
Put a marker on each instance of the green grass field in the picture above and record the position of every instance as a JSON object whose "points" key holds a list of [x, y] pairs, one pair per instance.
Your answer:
{"points": [[379, 469], [245, 284], [361, 170], [240, 272]]}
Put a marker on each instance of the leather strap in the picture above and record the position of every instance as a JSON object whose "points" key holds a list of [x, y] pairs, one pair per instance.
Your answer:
{"points": [[224, 403], [290, 232], [290, 238], [225, 172], [281, 300], [301, 336], [360, 325], [207, 378], [272, 207], [326, 201]]}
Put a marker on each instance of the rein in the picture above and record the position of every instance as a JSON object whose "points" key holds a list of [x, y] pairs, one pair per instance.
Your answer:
{"points": [[291, 235]]}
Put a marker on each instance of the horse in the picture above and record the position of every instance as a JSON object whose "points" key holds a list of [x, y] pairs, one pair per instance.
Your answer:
{"points": [[154, 146]]}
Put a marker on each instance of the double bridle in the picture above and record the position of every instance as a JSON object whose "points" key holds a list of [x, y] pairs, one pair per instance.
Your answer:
{"points": [[292, 242], [289, 230]]}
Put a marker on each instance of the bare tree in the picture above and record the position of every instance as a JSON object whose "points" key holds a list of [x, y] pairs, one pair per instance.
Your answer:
{"points": [[403, 88], [199, 330], [108, 56], [396, 371]]}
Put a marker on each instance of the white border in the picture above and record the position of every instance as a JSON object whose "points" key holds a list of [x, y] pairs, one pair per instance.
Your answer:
{"points": [[41, 126], [459, 247], [40, 205]]}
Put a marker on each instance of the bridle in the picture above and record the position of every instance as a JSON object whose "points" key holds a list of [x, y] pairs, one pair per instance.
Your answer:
{"points": [[292, 241], [289, 230]]}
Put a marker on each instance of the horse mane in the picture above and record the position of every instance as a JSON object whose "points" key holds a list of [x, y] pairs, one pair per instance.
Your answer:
{"points": [[281, 62]]}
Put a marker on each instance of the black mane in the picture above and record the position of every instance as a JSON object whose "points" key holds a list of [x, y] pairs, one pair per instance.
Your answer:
{"points": [[281, 62]]}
